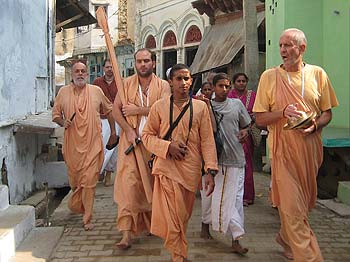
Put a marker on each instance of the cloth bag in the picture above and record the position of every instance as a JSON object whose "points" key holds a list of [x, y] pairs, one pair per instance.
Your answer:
{"points": [[256, 135], [219, 144], [255, 132]]}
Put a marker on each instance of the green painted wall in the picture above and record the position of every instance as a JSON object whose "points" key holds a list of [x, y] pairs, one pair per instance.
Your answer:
{"points": [[275, 19], [327, 27], [336, 56]]}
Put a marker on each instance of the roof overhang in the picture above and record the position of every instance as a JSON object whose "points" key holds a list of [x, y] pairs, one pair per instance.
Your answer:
{"points": [[73, 13], [220, 44], [209, 7]]}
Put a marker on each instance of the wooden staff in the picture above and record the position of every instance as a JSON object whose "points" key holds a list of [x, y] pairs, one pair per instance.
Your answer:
{"points": [[144, 172], [102, 22]]}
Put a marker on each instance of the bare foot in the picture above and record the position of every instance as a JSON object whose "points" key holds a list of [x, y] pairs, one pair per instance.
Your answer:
{"points": [[237, 248], [287, 251], [88, 227], [205, 234], [125, 242], [123, 245], [108, 179]]}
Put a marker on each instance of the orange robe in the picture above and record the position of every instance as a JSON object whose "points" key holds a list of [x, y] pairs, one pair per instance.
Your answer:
{"points": [[134, 211], [82, 148], [176, 181], [295, 158]]}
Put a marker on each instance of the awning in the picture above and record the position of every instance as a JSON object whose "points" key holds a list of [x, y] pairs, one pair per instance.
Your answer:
{"points": [[73, 13], [36, 124], [220, 44]]}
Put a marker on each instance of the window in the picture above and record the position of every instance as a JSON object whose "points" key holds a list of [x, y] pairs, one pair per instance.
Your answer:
{"points": [[150, 42], [82, 29], [169, 39]]}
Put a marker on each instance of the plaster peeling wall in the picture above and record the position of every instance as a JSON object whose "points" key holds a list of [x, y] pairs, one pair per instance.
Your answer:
{"points": [[23, 56], [24, 87]]}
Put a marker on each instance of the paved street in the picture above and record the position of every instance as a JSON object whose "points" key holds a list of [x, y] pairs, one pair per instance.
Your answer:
{"points": [[333, 233]]}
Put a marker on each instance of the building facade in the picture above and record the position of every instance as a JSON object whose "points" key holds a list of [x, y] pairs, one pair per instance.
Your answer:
{"points": [[88, 42], [172, 29]]}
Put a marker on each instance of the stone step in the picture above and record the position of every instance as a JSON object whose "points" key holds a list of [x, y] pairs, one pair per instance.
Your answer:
{"points": [[344, 192], [4, 197], [15, 224], [38, 245]]}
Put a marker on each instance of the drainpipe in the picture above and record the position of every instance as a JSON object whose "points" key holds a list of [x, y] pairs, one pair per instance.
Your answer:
{"points": [[51, 35]]}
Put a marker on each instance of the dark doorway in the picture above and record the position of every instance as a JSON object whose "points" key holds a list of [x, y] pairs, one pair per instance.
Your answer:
{"points": [[190, 54], [169, 59]]}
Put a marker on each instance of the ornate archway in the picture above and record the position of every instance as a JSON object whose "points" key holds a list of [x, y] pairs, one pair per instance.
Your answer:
{"points": [[150, 42], [193, 35], [169, 39]]}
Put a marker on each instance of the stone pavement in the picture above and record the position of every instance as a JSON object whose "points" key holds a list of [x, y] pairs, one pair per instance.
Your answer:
{"points": [[77, 245]]}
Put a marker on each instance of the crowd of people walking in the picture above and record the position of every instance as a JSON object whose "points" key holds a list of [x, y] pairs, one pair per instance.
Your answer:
{"points": [[164, 143]]}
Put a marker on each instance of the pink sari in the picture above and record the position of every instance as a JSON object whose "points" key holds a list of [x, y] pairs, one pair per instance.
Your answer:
{"points": [[248, 147]]}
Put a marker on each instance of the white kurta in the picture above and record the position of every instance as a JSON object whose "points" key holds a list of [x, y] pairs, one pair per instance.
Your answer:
{"points": [[110, 160]]}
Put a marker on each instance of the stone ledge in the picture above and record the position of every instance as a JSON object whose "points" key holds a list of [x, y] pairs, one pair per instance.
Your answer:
{"points": [[337, 207]]}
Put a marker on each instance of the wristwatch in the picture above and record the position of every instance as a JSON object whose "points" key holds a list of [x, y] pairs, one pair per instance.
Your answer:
{"points": [[212, 172]]}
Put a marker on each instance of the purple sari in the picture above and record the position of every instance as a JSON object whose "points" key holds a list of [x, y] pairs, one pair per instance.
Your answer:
{"points": [[248, 147]]}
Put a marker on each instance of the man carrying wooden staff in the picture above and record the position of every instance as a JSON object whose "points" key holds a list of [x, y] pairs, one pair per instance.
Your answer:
{"points": [[141, 91], [136, 94]]}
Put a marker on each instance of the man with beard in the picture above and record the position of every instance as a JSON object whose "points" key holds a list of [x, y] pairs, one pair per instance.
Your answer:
{"points": [[141, 91], [77, 109], [109, 88]]}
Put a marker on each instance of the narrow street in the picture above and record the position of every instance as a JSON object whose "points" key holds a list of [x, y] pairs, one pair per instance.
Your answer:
{"points": [[262, 223]]}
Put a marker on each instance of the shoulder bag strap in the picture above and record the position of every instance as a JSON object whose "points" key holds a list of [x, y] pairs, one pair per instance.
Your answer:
{"points": [[215, 116], [190, 121], [177, 120]]}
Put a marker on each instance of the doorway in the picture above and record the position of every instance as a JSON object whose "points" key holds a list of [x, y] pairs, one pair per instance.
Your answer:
{"points": [[169, 59]]}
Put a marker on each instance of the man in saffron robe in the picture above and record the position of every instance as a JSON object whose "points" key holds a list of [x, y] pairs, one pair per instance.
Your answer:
{"points": [[77, 108], [133, 183], [297, 154], [178, 162]]}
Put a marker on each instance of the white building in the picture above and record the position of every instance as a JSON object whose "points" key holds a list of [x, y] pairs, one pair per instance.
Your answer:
{"points": [[172, 29], [88, 42]]}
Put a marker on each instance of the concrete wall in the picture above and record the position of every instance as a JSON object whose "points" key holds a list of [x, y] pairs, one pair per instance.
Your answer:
{"points": [[24, 86], [23, 56], [336, 56]]}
